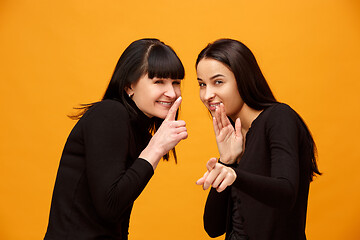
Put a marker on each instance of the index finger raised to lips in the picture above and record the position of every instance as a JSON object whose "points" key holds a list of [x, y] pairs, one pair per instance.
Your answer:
{"points": [[172, 111]]}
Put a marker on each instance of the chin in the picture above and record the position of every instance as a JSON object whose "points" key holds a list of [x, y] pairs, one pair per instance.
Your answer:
{"points": [[162, 115]]}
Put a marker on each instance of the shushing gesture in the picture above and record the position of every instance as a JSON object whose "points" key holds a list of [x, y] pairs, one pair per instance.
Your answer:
{"points": [[229, 140], [169, 134]]}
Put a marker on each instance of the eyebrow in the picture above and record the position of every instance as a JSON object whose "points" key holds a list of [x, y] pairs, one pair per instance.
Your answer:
{"points": [[172, 79], [213, 77]]}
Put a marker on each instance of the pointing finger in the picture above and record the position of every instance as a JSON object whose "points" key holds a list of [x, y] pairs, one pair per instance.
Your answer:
{"points": [[172, 111], [211, 178], [202, 180]]}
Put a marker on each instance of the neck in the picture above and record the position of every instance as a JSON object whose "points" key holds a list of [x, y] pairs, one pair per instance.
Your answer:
{"points": [[247, 115]]}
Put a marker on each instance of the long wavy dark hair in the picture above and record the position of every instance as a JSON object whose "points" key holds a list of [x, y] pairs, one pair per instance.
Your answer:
{"points": [[145, 56], [252, 85]]}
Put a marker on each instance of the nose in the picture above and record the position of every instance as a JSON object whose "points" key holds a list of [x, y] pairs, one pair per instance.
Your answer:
{"points": [[209, 94], [170, 91]]}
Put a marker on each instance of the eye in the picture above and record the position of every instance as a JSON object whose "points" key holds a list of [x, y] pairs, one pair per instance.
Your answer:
{"points": [[202, 84], [159, 81], [217, 82], [176, 82]]}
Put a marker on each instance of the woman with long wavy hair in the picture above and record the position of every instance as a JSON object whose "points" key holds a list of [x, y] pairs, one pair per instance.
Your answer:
{"points": [[260, 183]]}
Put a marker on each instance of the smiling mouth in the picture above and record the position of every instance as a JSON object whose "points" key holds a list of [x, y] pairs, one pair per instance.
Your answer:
{"points": [[212, 106], [167, 104]]}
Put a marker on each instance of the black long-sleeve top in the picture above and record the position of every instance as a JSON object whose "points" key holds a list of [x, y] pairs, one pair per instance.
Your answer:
{"points": [[100, 174], [272, 181]]}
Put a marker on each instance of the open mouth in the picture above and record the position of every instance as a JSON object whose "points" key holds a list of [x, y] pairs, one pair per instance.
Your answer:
{"points": [[167, 104], [212, 106]]}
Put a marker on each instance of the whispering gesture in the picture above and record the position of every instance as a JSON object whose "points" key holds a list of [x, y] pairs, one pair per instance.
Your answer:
{"points": [[229, 140]]}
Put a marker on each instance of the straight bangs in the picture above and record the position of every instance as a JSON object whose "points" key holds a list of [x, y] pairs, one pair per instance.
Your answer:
{"points": [[162, 62]]}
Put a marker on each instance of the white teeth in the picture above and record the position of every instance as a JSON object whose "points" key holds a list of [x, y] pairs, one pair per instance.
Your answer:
{"points": [[165, 103], [214, 105]]}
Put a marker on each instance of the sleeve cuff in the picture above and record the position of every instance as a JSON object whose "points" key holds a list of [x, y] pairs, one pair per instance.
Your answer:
{"points": [[143, 167], [233, 165]]}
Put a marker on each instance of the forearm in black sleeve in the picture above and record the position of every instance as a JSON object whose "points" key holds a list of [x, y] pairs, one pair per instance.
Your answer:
{"points": [[280, 188], [113, 187], [215, 214], [275, 192]]}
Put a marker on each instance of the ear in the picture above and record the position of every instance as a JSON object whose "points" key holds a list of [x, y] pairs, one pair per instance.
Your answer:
{"points": [[129, 91]]}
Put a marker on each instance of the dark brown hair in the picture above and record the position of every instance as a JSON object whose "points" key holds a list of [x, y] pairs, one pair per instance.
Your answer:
{"points": [[145, 56], [251, 83]]}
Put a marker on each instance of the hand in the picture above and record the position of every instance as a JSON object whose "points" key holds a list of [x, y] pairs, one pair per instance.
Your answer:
{"points": [[229, 140], [217, 175], [169, 134]]}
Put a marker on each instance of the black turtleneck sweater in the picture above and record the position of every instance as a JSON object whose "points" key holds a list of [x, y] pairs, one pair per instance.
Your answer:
{"points": [[100, 174], [268, 200]]}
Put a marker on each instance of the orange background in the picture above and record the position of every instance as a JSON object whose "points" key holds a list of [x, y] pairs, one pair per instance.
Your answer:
{"points": [[57, 54]]}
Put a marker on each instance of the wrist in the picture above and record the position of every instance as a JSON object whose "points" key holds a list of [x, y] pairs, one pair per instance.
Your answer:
{"points": [[153, 156], [227, 159], [227, 164]]}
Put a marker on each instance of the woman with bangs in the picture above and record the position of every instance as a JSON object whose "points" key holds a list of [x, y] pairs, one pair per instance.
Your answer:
{"points": [[260, 183], [113, 150]]}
